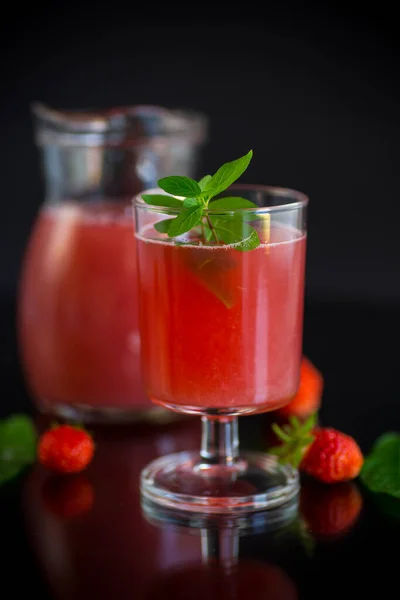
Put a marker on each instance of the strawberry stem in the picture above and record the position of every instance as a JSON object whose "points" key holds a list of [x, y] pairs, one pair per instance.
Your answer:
{"points": [[296, 438], [280, 433]]}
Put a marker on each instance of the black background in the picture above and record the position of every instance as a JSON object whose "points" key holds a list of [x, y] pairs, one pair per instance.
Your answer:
{"points": [[314, 90]]}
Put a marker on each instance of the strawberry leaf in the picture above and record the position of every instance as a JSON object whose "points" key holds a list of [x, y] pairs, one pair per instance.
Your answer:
{"points": [[296, 438]]}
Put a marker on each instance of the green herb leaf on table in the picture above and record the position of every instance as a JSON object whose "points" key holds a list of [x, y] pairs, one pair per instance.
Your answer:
{"points": [[162, 200], [18, 441], [389, 505], [381, 470], [180, 186]]}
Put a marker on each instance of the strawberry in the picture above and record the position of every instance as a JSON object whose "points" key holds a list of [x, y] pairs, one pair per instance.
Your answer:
{"points": [[333, 456], [68, 497], [65, 449], [308, 397], [330, 511], [323, 453]]}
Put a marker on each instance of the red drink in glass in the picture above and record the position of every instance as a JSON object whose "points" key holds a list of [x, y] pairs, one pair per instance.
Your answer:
{"points": [[221, 325], [222, 329]]}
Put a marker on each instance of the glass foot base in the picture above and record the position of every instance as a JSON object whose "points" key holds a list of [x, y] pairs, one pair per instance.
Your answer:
{"points": [[84, 413], [256, 481]]}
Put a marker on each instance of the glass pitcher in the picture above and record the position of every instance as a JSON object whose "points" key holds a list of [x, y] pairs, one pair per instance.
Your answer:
{"points": [[77, 310]]}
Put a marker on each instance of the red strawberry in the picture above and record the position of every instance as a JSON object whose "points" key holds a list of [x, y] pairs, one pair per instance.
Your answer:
{"points": [[325, 454], [330, 511], [333, 456], [308, 398], [65, 449], [68, 497]]}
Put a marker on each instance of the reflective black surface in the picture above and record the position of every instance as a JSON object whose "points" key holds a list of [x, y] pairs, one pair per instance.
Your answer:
{"points": [[89, 536]]}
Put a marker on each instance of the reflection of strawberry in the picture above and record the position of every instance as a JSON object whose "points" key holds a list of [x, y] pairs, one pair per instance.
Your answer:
{"points": [[68, 496], [65, 449], [323, 453], [330, 511], [308, 398]]}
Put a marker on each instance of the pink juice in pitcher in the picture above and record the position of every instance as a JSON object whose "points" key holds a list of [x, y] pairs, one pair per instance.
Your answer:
{"points": [[78, 320], [77, 304]]}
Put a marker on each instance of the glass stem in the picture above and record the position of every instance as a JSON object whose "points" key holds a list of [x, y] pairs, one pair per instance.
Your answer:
{"points": [[220, 547], [219, 440]]}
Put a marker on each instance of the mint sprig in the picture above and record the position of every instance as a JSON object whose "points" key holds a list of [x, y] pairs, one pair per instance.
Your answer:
{"points": [[198, 201], [18, 440], [381, 469]]}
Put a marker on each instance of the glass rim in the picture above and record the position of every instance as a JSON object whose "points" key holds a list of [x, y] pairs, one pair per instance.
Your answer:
{"points": [[300, 200]]}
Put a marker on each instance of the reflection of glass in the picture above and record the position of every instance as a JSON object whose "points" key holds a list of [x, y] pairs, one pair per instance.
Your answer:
{"points": [[77, 314], [221, 337], [223, 572]]}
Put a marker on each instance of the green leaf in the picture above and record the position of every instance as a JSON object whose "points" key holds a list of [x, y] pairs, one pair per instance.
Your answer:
{"points": [[9, 470], [280, 433], [189, 202], [295, 438], [203, 181], [231, 203], [184, 222], [227, 174], [308, 424], [180, 186], [213, 270], [381, 470], [163, 226], [236, 232], [18, 441], [388, 504], [162, 200]]}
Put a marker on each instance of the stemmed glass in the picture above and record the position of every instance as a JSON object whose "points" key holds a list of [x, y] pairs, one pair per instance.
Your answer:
{"points": [[221, 334]]}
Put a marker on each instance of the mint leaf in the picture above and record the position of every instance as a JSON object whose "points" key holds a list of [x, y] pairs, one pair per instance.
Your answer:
{"points": [[236, 231], [227, 174], [180, 186], [184, 222], [162, 200], [9, 470], [203, 181], [189, 202], [231, 203], [18, 441], [163, 226], [213, 271], [388, 504], [381, 470]]}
